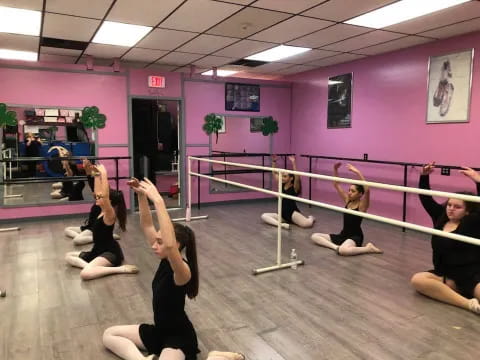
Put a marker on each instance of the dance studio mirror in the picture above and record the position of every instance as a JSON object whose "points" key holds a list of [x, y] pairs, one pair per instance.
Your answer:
{"points": [[44, 132], [242, 135]]}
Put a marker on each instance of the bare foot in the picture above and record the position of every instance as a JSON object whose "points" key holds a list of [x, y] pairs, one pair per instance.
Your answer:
{"points": [[220, 355], [130, 269], [373, 249], [286, 226]]}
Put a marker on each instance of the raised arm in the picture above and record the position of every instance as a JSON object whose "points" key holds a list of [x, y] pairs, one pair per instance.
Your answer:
{"points": [[472, 174], [103, 189], [297, 182], [146, 221], [433, 208], [274, 165], [365, 201], [336, 184], [181, 271]]}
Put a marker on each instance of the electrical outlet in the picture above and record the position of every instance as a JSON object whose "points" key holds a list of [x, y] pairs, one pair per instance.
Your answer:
{"points": [[365, 156], [445, 171]]}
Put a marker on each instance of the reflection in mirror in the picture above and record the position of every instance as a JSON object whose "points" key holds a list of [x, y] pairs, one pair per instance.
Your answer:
{"points": [[45, 132], [238, 136]]}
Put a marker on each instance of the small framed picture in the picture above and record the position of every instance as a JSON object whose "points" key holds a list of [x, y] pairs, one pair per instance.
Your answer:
{"points": [[339, 109], [223, 129], [256, 124], [449, 87]]}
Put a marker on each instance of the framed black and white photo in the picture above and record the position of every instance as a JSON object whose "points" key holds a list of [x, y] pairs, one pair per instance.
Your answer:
{"points": [[223, 129], [339, 110], [449, 87]]}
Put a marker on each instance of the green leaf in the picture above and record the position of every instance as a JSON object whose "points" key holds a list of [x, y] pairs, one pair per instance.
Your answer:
{"points": [[7, 118], [91, 118], [270, 126], [213, 123]]}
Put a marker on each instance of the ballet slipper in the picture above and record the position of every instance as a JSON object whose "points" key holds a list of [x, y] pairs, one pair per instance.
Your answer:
{"points": [[374, 249], [130, 269], [226, 355], [474, 306]]}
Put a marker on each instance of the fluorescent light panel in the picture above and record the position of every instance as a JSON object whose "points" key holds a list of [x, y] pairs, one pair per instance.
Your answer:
{"points": [[220, 72], [401, 11], [278, 53], [20, 21], [115, 33], [18, 55], [334, 82]]}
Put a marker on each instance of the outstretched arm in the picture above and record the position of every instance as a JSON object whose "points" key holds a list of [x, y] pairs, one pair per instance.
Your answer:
{"points": [[472, 174], [274, 165], [181, 270], [336, 184], [297, 182], [365, 201], [433, 208]]}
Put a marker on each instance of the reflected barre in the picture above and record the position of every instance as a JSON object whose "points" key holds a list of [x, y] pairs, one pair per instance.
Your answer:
{"points": [[281, 195]]}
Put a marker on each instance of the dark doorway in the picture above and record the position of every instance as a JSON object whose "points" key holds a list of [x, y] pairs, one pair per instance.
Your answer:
{"points": [[155, 145]]}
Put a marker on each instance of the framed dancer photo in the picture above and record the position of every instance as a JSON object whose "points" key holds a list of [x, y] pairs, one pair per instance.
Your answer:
{"points": [[449, 87], [339, 110]]}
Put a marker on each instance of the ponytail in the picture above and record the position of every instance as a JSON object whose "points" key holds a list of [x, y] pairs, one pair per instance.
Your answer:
{"points": [[186, 238]]}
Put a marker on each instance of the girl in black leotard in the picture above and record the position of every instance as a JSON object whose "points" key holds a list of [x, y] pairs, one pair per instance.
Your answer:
{"points": [[106, 257], [172, 335], [350, 240], [455, 278], [291, 185]]}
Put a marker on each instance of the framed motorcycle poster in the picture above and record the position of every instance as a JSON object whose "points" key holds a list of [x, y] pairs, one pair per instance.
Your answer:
{"points": [[449, 87]]}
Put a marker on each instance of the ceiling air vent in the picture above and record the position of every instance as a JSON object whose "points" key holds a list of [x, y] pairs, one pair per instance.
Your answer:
{"points": [[248, 63], [63, 44]]}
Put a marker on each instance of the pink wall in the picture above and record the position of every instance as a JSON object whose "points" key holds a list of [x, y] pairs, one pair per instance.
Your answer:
{"points": [[202, 98], [388, 123]]}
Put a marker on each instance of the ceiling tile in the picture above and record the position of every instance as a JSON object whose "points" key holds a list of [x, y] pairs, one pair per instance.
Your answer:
{"points": [[93, 9], [361, 41], [63, 59], [206, 44], [134, 64], [337, 59], [23, 4], [69, 27], [162, 67], [186, 69], [269, 67], [289, 6], [59, 51], [340, 10], [291, 29], [239, 2], [19, 42], [143, 55], [247, 22], [456, 29], [145, 12], [211, 61], [199, 15], [179, 58], [105, 51], [397, 44], [448, 16], [164, 39], [295, 69], [244, 48], [309, 56], [329, 35]]}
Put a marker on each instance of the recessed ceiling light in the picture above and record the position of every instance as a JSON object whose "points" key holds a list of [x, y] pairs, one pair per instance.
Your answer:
{"points": [[20, 21], [115, 33], [278, 53], [220, 72], [401, 11], [18, 55]]}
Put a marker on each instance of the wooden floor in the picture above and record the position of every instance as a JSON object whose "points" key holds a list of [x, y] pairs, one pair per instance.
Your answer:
{"points": [[332, 308]]}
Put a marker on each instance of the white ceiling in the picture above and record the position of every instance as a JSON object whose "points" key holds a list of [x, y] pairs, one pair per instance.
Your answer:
{"points": [[209, 33]]}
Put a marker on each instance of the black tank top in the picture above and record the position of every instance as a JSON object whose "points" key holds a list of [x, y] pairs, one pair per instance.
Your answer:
{"points": [[288, 205], [103, 240], [352, 223], [169, 308]]}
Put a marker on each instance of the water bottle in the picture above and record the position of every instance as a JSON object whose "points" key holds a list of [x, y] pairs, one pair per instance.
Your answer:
{"points": [[293, 257]]}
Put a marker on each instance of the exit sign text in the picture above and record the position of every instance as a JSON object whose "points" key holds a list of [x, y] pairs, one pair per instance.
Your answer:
{"points": [[156, 81]]}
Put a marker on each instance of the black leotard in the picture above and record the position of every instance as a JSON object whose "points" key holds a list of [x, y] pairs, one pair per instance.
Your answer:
{"points": [[289, 206], [351, 229]]}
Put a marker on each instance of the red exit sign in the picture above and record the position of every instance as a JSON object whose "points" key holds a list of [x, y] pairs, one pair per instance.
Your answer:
{"points": [[156, 81]]}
